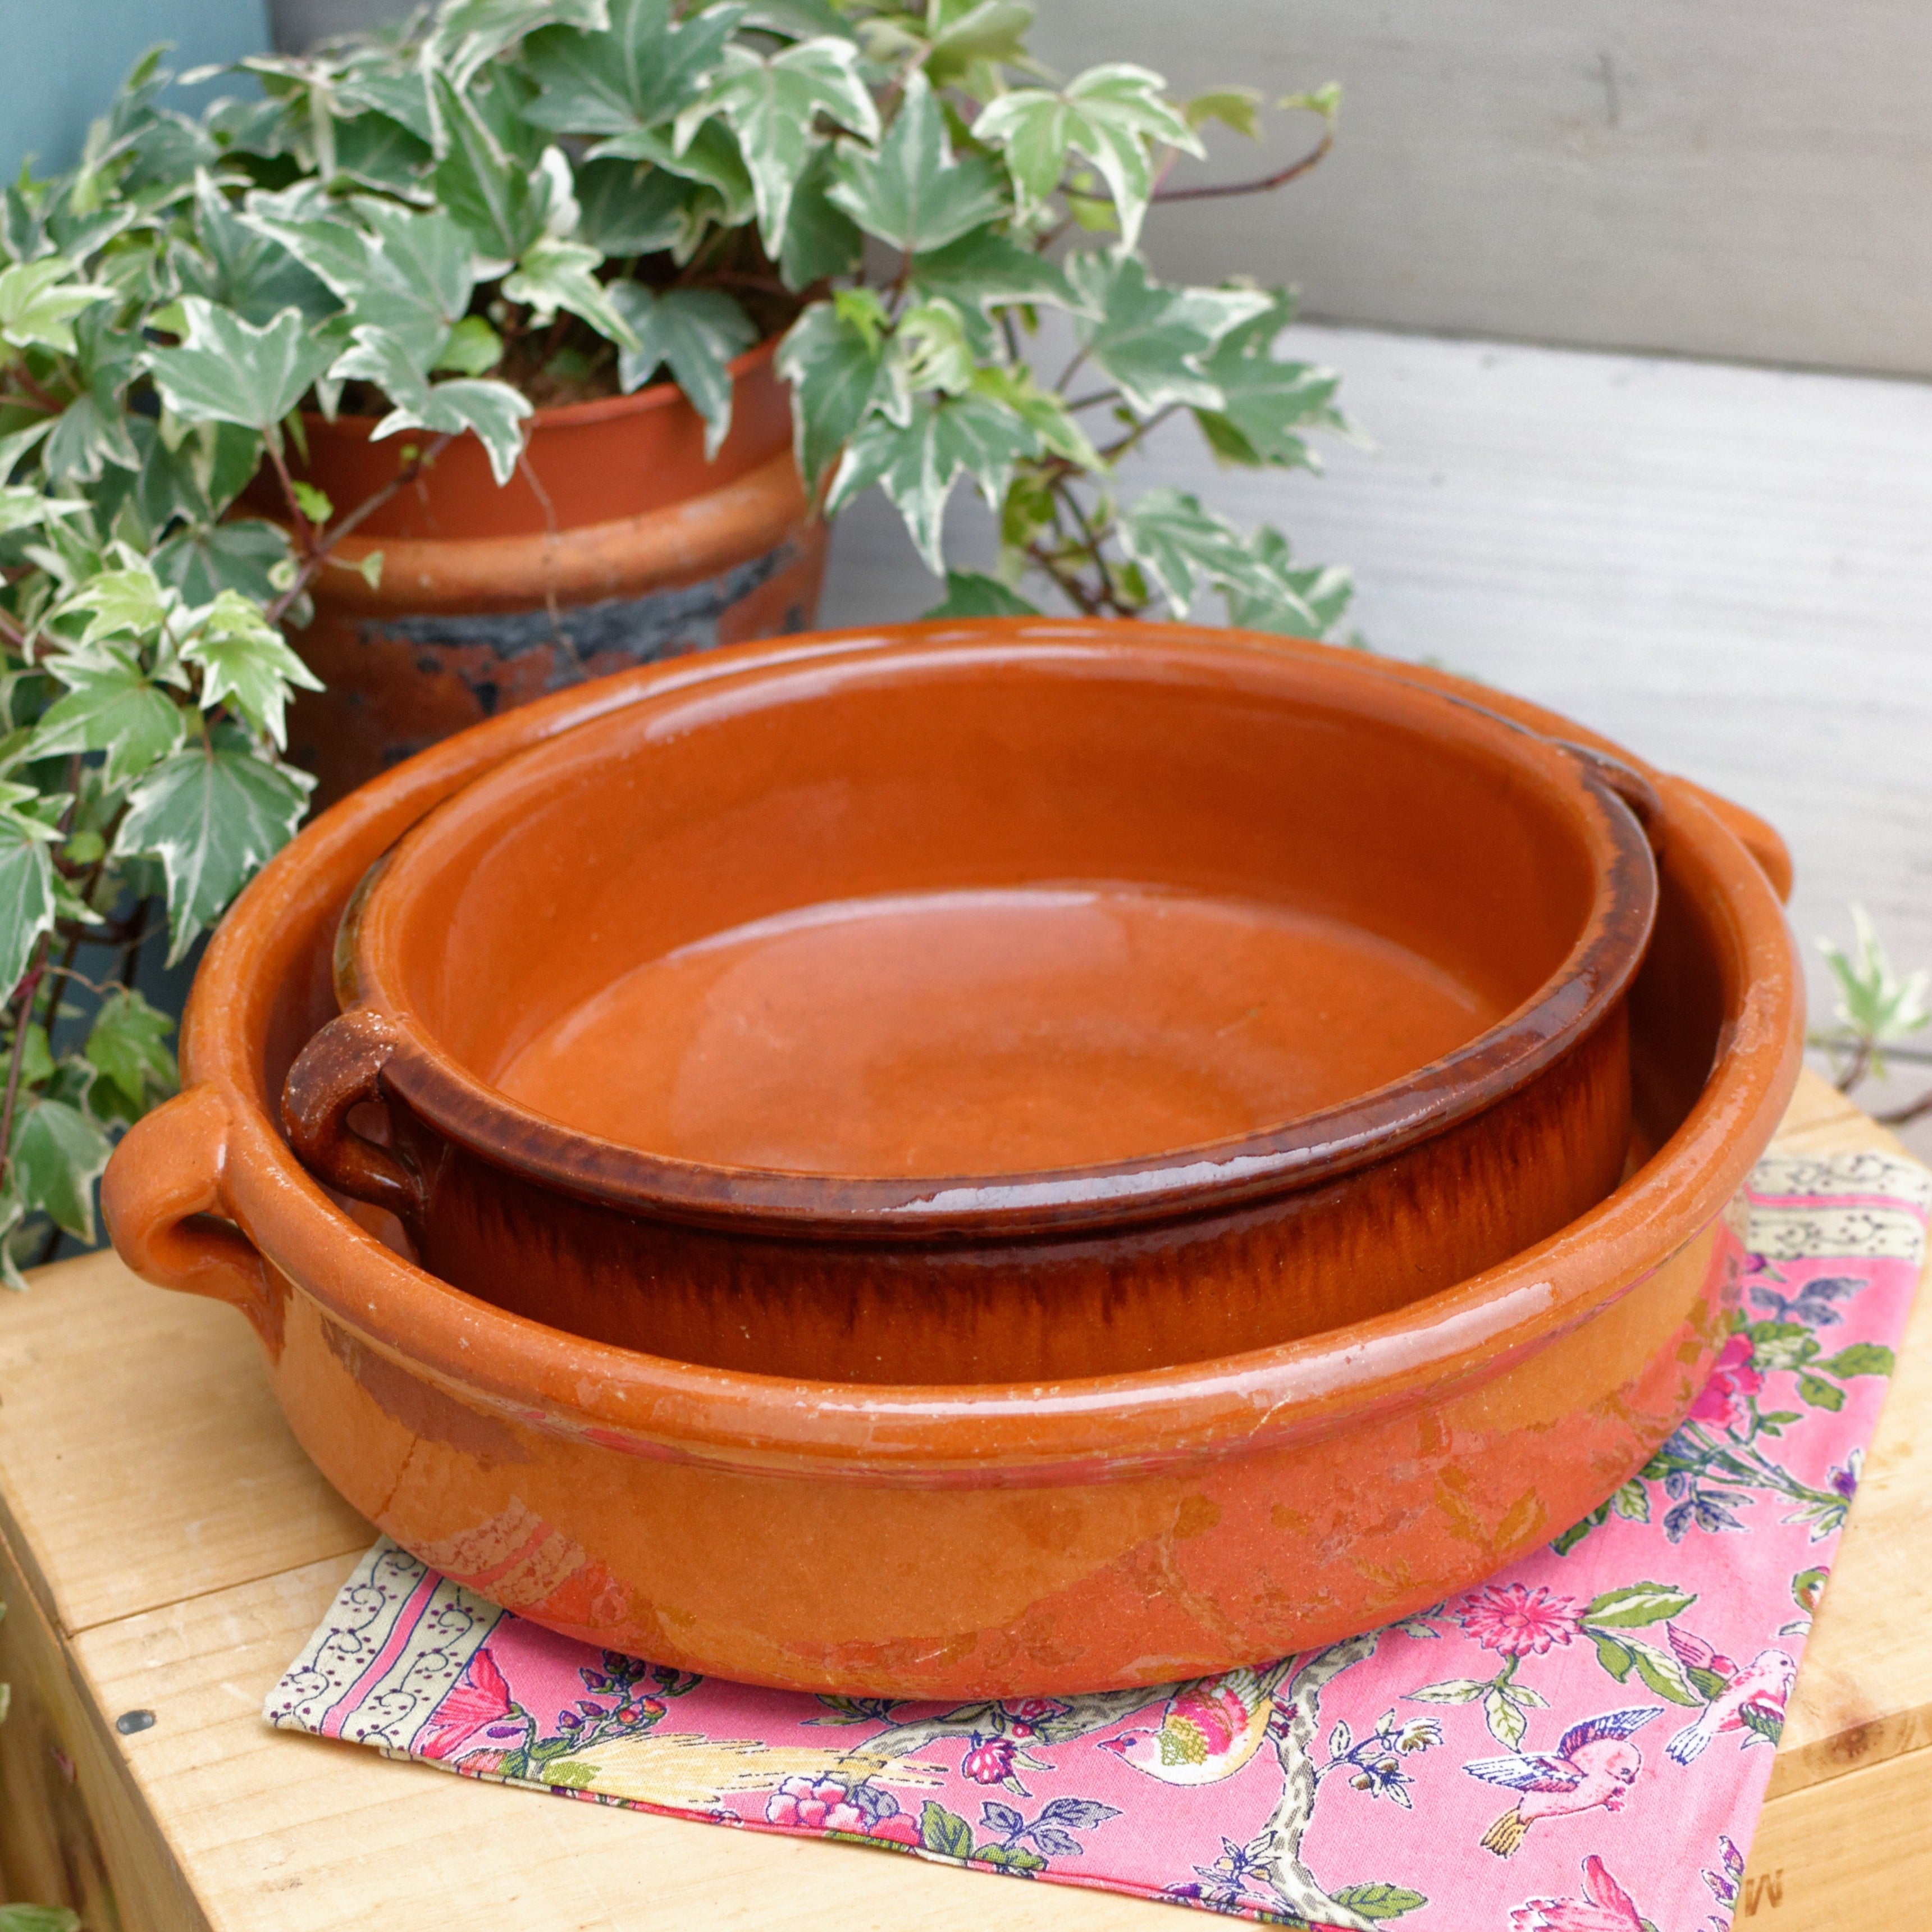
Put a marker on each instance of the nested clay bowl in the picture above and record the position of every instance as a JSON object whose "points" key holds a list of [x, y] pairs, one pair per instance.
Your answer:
{"points": [[946, 1542], [972, 1010]]}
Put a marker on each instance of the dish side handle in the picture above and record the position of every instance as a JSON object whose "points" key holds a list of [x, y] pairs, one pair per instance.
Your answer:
{"points": [[160, 1197], [339, 1070], [1760, 839]]}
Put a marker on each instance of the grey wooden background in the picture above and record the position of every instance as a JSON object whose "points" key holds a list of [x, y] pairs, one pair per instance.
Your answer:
{"points": [[1714, 178]]}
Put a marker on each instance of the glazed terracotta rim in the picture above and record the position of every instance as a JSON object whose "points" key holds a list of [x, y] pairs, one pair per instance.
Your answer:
{"points": [[1303, 1151], [573, 415], [645, 1405]]}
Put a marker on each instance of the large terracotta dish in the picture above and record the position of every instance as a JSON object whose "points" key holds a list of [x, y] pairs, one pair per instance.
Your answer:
{"points": [[988, 1012], [941, 1542]]}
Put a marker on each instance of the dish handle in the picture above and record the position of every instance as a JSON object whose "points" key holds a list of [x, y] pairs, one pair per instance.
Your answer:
{"points": [[339, 1070], [160, 1196]]}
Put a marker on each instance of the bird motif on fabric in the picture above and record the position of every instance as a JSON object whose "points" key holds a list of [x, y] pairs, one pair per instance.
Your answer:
{"points": [[1750, 1700], [1593, 1764], [1210, 1729]]}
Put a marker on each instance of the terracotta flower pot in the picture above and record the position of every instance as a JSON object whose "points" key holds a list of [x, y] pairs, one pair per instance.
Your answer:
{"points": [[1029, 1008], [615, 544], [945, 1542]]}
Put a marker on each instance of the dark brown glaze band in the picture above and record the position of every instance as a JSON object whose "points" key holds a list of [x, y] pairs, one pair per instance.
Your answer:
{"points": [[1256, 1274]]}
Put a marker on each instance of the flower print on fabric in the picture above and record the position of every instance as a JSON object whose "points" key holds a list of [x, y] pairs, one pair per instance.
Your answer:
{"points": [[1605, 1907], [1613, 1690], [1518, 1621], [1733, 1381], [1595, 1764]]}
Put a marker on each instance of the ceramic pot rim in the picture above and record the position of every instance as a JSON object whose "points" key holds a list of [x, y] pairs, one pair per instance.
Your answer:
{"points": [[1301, 1152], [647, 1405]]}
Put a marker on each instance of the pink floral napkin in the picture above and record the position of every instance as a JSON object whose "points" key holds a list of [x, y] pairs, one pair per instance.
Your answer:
{"points": [[1580, 1745]]}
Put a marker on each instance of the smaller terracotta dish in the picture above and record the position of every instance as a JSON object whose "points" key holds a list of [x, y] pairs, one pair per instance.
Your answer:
{"points": [[982, 1010]]}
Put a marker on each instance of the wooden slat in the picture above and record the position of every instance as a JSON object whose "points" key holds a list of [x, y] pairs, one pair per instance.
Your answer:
{"points": [[143, 1457]]}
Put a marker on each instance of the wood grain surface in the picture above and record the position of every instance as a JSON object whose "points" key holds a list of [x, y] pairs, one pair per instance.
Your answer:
{"points": [[170, 1549]]}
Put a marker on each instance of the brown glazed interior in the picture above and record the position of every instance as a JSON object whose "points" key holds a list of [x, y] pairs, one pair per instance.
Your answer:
{"points": [[1182, 905], [999, 1540]]}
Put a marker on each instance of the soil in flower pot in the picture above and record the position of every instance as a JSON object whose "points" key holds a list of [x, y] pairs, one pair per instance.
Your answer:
{"points": [[615, 543]]}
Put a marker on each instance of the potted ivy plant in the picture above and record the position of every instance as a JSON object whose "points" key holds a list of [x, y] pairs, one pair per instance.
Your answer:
{"points": [[432, 278]]}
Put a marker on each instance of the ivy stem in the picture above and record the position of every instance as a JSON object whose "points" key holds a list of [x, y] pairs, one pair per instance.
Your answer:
{"points": [[1140, 430], [1279, 178], [23, 1018], [42, 398], [305, 531], [1901, 1117], [367, 507]]}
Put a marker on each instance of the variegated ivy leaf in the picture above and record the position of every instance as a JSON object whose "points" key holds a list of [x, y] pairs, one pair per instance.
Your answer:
{"points": [[58, 1154], [469, 32], [1293, 600], [697, 333], [241, 267], [985, 269], [23, 507], [126, 1046], [966, 34], [29, 906], [18, 444], [837, 367], [92, 431], [1875, 1002], [930, 342], [1265, 402], [409, 274], [1042, 410], [555, 273], [244, 664], [1111, 114], [917, 464], [709, 156], [1183, 546], [820, 239], [228, 370], [39, 300], [110, 704], [502, 206], [912, 192], [772, 103], [972, 593], [637, 73], [630, 208], [1151, 339], [246, 554], [494, 411], [213, 815], [131, 602]]}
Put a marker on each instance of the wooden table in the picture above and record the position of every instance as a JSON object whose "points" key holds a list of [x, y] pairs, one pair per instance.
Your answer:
{"points": [[167, 1549]]}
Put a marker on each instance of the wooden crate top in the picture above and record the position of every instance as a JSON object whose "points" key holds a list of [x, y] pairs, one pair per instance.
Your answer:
{"points": [[181, 1547]]}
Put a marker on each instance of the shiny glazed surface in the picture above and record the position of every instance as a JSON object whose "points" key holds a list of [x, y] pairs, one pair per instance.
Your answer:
{"points": [[954, 1542], [1139, 910], [851, 1037]]}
